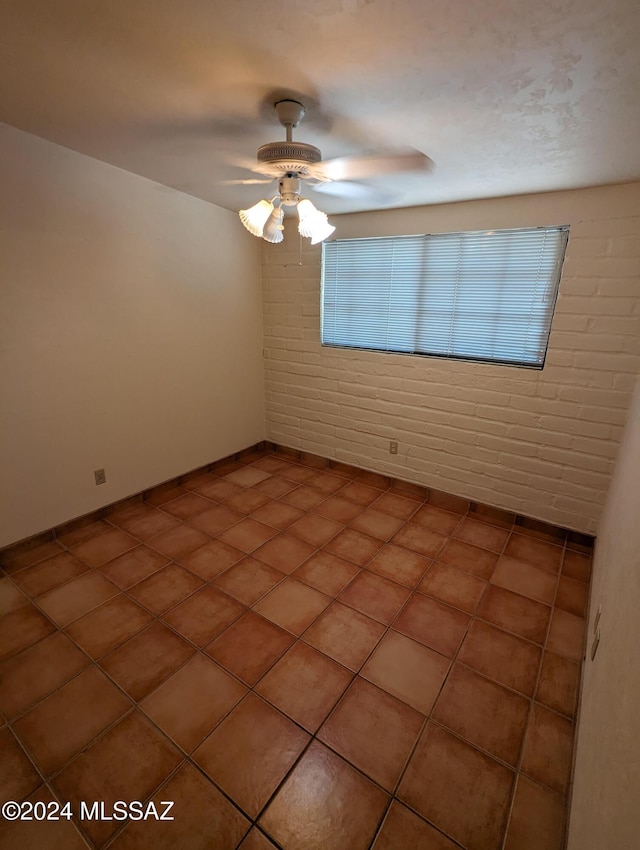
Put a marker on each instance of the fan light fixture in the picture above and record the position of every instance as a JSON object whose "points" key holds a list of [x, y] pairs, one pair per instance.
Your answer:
{"points": [[266, 218], [290, 162]]}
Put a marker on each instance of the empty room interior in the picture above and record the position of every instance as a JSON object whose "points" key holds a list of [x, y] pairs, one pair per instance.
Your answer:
{"points": [[320, 417]]}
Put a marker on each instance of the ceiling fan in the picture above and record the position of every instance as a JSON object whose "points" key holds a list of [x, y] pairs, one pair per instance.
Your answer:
{"points": [[293, 162]]}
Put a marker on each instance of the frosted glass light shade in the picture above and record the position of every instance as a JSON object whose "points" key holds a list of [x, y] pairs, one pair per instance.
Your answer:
{"points": [[306, 213], [321, 230], [273, 230], [265, 219], [313, 223], [255, 217]]}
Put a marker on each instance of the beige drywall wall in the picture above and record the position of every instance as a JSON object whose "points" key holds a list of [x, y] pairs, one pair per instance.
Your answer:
{"points": [[131, 334], [604, 810], [541, 443]]}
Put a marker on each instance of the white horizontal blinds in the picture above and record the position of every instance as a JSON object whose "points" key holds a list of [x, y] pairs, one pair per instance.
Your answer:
{"points": [[370, 287], [480, 295], [490, 295]]}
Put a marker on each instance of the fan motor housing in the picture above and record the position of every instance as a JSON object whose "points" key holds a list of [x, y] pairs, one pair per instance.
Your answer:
{"points": [[288, 157]]}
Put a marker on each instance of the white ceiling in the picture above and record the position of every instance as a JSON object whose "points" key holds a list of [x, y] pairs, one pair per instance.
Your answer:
{"points": [[506, 96]]}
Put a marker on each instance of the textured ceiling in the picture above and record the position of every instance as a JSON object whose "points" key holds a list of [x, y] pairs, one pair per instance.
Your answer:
{"points": [[506, 96]]}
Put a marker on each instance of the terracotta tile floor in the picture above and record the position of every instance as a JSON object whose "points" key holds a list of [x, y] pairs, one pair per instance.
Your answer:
{"points": [[300, 657]]}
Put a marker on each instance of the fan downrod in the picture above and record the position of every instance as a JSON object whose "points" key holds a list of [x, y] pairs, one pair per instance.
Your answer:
{"points": [[288, 158]]}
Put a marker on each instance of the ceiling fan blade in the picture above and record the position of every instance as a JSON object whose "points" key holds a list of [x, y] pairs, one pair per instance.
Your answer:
{"points": [[251, 165], [246, 162], [352, 191], [372, 165], [248, 182]]}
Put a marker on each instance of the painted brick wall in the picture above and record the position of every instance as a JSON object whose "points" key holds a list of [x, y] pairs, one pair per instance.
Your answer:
{"points": [[541, 443]]}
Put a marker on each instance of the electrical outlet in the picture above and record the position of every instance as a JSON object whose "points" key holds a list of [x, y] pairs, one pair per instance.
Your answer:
{"points": [[100, 476], [393, 448]]}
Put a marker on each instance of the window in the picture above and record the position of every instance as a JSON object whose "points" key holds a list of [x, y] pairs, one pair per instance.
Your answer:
{"points": [[486, 295]]}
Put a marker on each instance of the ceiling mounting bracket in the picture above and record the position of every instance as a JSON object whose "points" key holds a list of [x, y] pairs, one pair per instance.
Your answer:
{"points": [[290, 113]]}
